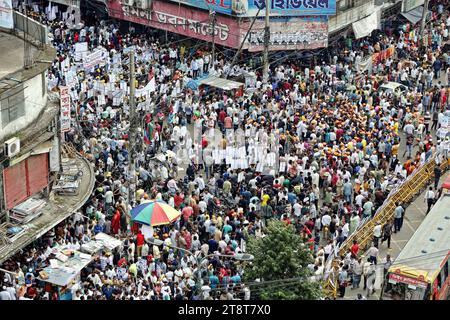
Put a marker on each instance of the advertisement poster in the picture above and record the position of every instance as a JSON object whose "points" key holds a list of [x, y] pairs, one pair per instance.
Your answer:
{"points": [[219, 6], [249, 8], [289, 34], [65, 108]]}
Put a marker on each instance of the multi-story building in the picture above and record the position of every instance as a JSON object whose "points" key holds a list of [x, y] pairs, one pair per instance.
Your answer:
{"points": [[30, 138]]}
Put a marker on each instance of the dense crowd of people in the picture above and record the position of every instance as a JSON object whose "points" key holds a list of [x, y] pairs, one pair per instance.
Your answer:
{"points": [[318, 147]]}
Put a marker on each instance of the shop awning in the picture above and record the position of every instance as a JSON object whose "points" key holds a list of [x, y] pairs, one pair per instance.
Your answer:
{"points": [[414, 15], [364, 27], [43, 148], [221, 83]]}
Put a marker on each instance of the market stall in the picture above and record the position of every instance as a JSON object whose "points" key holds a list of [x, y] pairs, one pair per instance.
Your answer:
{"points": [[63, 269], [101, 241]]}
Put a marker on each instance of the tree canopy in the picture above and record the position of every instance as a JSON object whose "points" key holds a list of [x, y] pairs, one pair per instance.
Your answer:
{"points": [[280, 262]]}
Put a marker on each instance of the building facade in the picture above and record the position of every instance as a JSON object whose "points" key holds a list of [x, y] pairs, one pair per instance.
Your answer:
{"points": [[29, 145]]}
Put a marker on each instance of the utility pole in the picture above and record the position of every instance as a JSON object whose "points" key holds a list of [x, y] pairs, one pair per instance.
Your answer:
{"points": [[266, 45], [27, 58], [132, 133], [423, 22], [212, 16], [233, 62]]}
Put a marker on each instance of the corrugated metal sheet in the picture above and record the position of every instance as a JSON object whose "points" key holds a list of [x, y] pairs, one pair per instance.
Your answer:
{"points": [[37, 172], [15, 184]]}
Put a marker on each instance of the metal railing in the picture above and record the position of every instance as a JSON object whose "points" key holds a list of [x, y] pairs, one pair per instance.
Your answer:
{"points": [[405, 193]]}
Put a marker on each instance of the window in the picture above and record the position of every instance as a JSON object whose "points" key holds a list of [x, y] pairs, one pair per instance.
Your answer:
{"points": [[446, 269], [12, 105]]}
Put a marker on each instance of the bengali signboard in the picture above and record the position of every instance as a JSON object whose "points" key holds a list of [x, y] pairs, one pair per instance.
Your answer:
{"points": [[187, 21], [65, 108], [395, 278], [286, 7], [289, 34], [220, 6]]}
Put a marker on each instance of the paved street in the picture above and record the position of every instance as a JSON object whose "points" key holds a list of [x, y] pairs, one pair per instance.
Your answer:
{"points": [[414, 215]]}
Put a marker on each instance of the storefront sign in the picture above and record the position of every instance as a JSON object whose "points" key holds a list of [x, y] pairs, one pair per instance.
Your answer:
{"points": [[286, 7], [65, 108], [220, 6], [289, 34], [187, 21], [395, 278]]}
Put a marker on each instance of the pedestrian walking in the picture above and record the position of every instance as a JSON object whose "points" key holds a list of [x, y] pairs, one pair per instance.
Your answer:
{"points": [[387, 233], [437, 176], [377, 232], [398, 217], [357, 273], [429, 199], [343, 281], [373, 253]]}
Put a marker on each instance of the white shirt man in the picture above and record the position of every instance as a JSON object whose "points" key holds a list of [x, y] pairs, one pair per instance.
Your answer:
{"points": [[297, 209], [326, 219], [109, 197], [429, 195], [377, 231]]}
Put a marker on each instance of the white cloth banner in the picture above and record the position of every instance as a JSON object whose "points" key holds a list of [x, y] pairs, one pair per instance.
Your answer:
{"points": [[95, 58], [149, 88], [365, 65], [364, 27], [6, 14]]}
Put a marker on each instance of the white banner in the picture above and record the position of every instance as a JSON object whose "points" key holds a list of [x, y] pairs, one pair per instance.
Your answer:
{"points": [[149, 88], [65, 108], [365, 65], [71, 79], [81, 51], [364, 27], [95, 58], [6, 14]]}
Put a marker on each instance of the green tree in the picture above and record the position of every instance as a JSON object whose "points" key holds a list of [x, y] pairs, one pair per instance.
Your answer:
{"points": [[280, 262]]}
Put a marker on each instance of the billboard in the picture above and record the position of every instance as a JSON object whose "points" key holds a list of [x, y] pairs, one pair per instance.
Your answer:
{"points": [[187, 21], [65, 108], [285, 7], [219, 6], [289, 34]]}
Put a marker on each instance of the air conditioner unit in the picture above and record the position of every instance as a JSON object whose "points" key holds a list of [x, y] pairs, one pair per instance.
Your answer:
{"points": [[128, 2], [12, 147], [142, 4]]}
